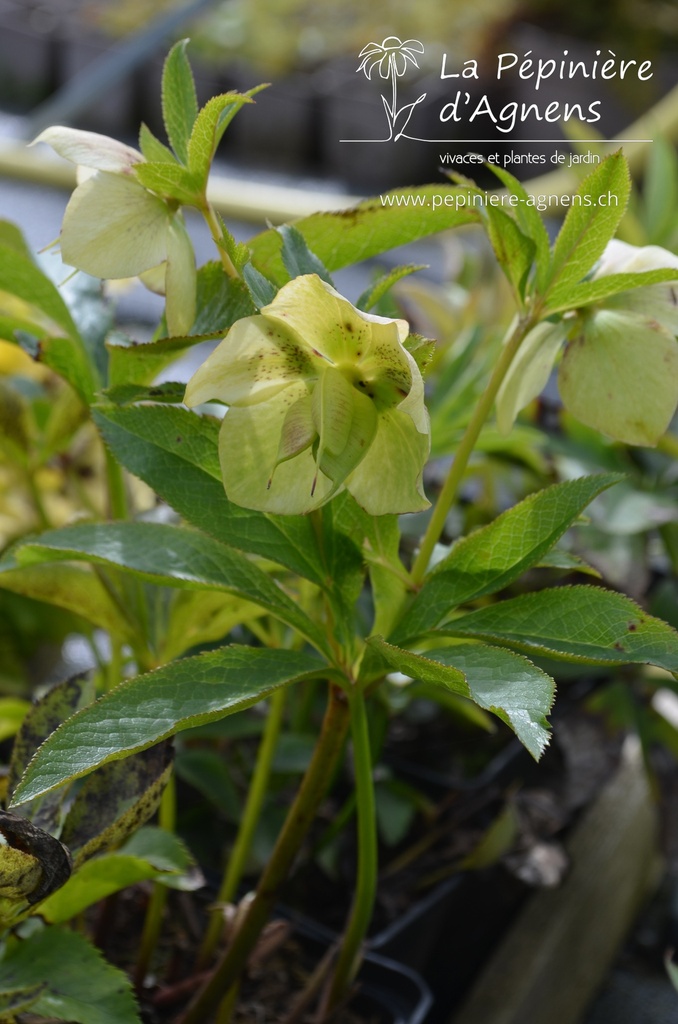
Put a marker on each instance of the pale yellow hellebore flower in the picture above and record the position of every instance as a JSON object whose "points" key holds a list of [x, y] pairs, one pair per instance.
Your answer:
{"points": [[114, 227], [321, 397], [619, 371]]}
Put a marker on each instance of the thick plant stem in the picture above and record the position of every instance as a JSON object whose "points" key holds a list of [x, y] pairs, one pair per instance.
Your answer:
{"points": [[251, 814], [350, 953], [299, 818], [463, 453], [217, 235]]}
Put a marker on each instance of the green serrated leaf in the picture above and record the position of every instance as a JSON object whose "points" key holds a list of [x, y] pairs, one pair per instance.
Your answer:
{"points": [[499, 681], [127, 394], [153, 149], [189, 559], [378, 289], [175, 452], [584, 624], [559, 558], [179, 101], [528, 218], [189, 692], [492, 557], [220, 300], [209, 128], [115, 800], [79, 985], [260, 288], [372, 227], [590, 223], [298, 257], [514, 250], [421, 349], [577, 296], [171, 181]]}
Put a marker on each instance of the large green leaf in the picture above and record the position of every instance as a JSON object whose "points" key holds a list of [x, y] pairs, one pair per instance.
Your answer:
{"points": [[72, 587], [372, 227], [79, 985], [144, 710], [492, 557], [499, 681], [171, 555], [585, 624], [175, 452], [588, 227]]}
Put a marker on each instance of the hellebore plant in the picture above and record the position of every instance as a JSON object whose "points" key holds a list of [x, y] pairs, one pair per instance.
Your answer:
{"points": [[289, 506]]}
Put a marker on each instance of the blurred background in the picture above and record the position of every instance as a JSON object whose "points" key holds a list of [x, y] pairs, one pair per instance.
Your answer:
{"points": [[97, 63]]}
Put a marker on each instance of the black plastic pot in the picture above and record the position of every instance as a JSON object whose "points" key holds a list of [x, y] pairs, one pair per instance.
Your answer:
{"points": [[393, 991]]}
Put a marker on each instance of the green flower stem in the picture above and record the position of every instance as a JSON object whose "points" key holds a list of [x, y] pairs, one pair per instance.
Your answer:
{"points": [[117, 496], [350, 953], [448, 494], [156, 906], [299, 818], [218, 237], [251, 814]]}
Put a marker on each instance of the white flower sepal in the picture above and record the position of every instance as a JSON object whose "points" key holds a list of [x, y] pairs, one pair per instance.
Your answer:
{"points": [[115, 228]]}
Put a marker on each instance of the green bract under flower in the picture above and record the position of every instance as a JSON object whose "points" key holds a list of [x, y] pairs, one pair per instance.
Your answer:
{"points": [[113, 227], [321, 396]]}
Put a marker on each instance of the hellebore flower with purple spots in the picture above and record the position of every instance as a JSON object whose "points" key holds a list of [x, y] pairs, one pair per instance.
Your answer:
{"points": [[321, 397]]}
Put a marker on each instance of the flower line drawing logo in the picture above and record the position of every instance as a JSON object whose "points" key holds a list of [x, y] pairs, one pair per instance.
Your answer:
{"points": [[392, 57]]}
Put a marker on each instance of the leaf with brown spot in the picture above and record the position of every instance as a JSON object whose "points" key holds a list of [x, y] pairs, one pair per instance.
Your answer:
{"points": [[116, 800], [43, 718]]}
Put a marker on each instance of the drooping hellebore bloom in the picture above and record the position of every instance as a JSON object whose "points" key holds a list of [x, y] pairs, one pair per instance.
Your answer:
{"points": [[619, 371], [321, 397], [114, 227]]}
